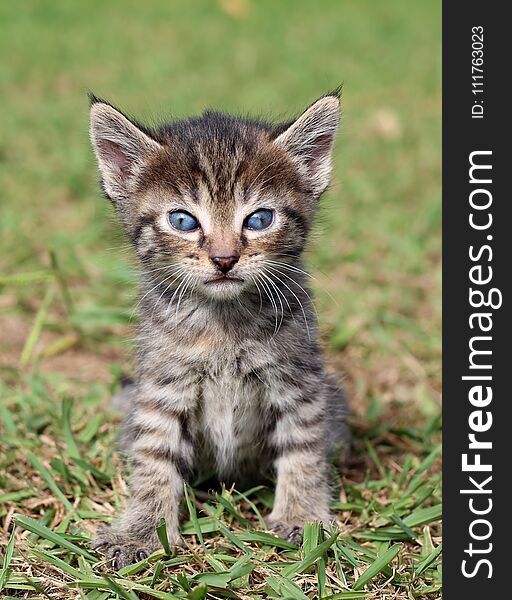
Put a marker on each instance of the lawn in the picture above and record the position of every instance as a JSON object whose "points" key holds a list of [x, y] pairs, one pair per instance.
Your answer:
{"points": [[68, 287]]}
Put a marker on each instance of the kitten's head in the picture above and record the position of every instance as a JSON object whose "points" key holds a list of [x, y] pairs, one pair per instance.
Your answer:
{"points": [[215, 200]]}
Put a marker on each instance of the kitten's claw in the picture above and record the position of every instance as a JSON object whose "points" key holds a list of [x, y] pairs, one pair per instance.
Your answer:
{"points": [[141, 555], [290, 533]]}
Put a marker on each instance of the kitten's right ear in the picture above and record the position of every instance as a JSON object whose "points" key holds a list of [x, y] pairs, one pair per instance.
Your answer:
{"points": [[120, 147], [310, 138]]}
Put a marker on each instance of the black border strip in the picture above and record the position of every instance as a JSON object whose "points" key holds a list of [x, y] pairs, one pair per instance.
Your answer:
{"points": [[466, 403]]}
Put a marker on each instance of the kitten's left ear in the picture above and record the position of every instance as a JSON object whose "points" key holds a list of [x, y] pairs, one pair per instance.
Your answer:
{"points": [[310, 139]]}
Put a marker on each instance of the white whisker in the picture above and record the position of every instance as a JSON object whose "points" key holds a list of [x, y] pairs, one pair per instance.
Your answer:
{"points": [[174, 295], [178, 268], [297, 269], [270, 274], [253, 279], [188, 279], [158, 269], [272, 301], [175, 276], [300, 304], [274, 286], [290, 267], [296, 283]]}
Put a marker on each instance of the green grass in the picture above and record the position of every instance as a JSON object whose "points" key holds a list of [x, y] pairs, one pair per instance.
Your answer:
{"points": [[68, 284]]}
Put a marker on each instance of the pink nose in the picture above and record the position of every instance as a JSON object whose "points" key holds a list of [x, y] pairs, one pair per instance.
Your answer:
{"points": [[224, 263]]}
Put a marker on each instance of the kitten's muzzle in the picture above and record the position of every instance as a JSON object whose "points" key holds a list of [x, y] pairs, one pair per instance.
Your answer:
{"points": [[224, 263]]}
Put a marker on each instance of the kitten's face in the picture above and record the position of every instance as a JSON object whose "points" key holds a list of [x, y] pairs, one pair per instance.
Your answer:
{"points": [[213, 203], [224, 217]]}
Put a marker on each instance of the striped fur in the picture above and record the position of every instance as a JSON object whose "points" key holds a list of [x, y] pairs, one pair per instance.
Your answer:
{"points": [[229, 376]]}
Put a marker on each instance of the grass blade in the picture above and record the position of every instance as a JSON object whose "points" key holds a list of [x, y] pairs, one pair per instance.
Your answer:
{"points": [[403, 526], [161, 531], [16, 496], [22, 278], [58, 562], [286, 588], [57, 539], [346, 596], [422, 516], [71, 447], [193, 513], [120, 591], [254, 509], [35, 332], [377, 566], [310, 558], [47, 476], [427, 561], [9, 551], [268, 539]]}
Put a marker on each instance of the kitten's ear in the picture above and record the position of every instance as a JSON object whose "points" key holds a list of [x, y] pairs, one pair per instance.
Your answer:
{"points": [[310, 139], [120, 147]]}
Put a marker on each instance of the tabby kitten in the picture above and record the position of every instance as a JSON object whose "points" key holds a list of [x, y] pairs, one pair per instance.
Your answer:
{"points": [[229, 375]]}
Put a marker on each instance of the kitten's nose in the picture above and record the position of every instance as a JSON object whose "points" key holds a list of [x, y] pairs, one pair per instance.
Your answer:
{"points": [[224, 263]]}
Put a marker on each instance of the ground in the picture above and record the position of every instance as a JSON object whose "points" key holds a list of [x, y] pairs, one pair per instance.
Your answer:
{"points": [[68, 284]]}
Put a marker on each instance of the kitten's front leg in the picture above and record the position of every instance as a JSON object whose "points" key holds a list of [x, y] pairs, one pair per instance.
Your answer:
{"points": [[302, 491], [161, 454]]}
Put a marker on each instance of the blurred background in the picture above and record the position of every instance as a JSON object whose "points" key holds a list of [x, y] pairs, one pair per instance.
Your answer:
{"points": [[67, 280]]}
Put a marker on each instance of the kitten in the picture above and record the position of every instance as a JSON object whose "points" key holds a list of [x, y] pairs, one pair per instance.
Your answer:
{"points": [[229, 375]]}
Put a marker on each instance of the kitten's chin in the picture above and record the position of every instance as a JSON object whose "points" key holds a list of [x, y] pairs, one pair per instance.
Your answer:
{"points": [[223, 287]]}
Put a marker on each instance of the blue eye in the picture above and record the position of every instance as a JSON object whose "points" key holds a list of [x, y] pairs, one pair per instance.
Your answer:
{"points": [[261, 219], [182, 221]]}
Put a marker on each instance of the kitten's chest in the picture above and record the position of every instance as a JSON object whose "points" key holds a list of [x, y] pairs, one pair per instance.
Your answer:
{"points": [[232, 407]]}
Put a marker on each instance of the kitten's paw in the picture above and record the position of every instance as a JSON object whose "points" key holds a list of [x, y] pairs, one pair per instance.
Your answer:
{"points": [[121, 549], [290, 533], [291, 527]]}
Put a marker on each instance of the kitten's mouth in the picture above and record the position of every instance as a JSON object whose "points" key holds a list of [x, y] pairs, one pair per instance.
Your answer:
{"points": [[224, 281]]}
